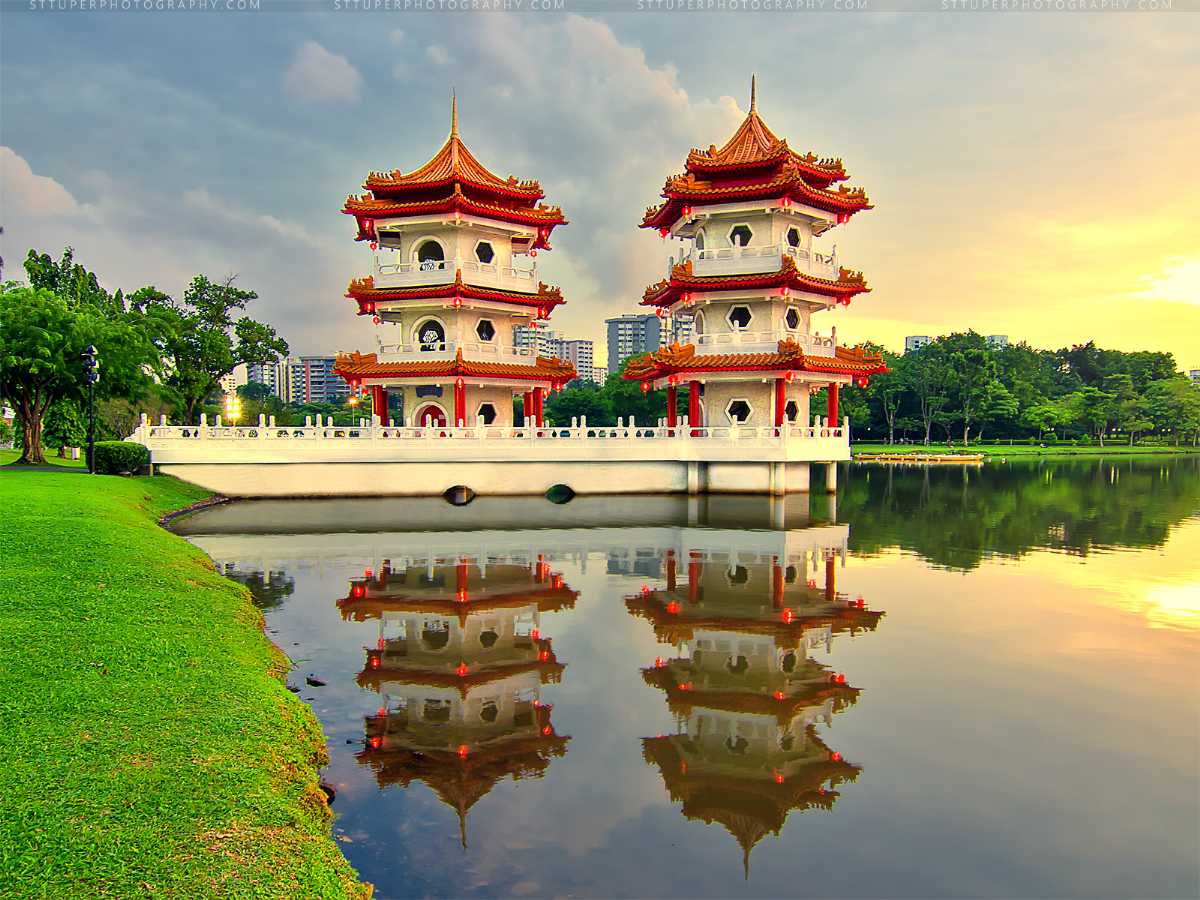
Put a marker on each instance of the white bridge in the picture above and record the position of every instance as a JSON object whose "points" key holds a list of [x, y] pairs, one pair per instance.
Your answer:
{"points": [[369, 459]]}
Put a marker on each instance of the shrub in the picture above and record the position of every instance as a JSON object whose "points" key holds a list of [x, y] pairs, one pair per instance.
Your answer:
{"points": [[120, 457]]}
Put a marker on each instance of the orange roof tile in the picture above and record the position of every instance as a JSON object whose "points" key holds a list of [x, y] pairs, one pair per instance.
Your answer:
{"points": [[789, 357], [453, 163], [357, 366], [364, 291], [667, 292]]}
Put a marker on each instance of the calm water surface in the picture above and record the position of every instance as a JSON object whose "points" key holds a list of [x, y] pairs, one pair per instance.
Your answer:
{"points": [[948, 683]]}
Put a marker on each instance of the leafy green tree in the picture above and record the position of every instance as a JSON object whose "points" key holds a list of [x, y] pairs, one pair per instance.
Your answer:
{"points": [[202, 341], [580, 399], [65, 425], [41, 338], [972, 372], [254, 390], [1046, 416], [999, 409], [887, 391], [930, 381], [1092, 408], [1173, 404]]}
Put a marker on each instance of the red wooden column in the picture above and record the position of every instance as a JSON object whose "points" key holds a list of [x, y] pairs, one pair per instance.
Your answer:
{"points": [[832, 393], [672, 404], [539, 396], [776, 584], [831, 579], [527, 406], [460, 403], [694, 578], [780, 401], [462, 578], [694, 405], [670, 570], [379, 402]]}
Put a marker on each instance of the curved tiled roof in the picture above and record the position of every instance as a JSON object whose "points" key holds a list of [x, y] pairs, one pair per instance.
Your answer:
{"points": [[667, 292], [354, 366], [364, 291]]}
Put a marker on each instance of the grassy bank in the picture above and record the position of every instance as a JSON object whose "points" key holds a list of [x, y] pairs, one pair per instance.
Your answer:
{"points": [[1024, 450], [52, 459], [149, 744]]}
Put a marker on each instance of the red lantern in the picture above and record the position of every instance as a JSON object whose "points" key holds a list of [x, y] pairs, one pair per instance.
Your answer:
{"points": [[835, 756], [779, 778], [645, 387], [673, 608], [374, 245], [533, 253], [463, 750], [375, 320], [374, 742], [461, 671], [535, 634], [547, 730], [663, 232], [788, 617], [779, 695]]}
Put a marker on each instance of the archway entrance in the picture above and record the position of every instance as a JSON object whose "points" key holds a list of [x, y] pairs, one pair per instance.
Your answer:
{"points": [[429, 414]]}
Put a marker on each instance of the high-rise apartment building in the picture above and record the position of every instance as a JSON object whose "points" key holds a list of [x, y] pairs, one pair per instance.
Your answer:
{"points": [[916, 342], [311, 379], [631, 335]]}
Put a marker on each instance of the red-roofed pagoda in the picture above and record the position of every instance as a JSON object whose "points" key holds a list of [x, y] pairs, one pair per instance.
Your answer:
{"points": [[459, 684], [450, 285], [745, 692], [753, 278]]}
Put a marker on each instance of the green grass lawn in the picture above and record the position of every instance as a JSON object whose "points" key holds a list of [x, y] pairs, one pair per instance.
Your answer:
{"points": [[52, 459], [1021, 450], [149, 745]]}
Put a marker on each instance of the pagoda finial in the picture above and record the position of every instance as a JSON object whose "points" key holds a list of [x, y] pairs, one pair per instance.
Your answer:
{"points": [[453, 113], [753, 92]]}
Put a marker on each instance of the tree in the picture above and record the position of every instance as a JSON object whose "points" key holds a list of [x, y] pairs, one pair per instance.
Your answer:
{"points": [[254, 390], [1173, 404], [998, 408], [972, 372], [930, 382], [1045, 416], [65, 425], [201, 340], [1092, 408], [41, 338], [579, 400], [887, 391]]}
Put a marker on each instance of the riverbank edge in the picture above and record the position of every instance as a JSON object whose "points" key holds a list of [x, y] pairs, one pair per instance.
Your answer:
{"points": [[996, 452], [153, 745]]}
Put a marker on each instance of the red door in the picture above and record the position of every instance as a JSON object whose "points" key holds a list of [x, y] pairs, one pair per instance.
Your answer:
{"points": [[431, 415]]}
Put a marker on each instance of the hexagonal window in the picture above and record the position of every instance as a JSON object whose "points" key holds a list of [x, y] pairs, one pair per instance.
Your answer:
{"points": [[739, 317], [791, 318], [486, 413], [738, 411], [484, 252], [793, 237], [791, 410], [739, 235], [485, 330]]}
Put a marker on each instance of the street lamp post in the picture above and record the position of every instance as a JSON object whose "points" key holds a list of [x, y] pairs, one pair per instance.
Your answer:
{"points": [[91, 374]]}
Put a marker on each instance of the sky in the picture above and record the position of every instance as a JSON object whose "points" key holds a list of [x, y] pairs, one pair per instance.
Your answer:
{"points": [[1033, 174]]}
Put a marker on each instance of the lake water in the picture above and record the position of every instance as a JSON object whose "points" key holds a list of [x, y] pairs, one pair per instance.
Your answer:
{"points": [[949, 682]]}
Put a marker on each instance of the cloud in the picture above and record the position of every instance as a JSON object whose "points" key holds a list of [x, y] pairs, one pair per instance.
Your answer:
{"points": [[318, 76], [1179, 282], [438, 54], [34, 195]]}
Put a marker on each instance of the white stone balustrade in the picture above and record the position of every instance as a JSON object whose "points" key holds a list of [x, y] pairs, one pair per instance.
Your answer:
{"points": [[267, 442], [754, 258], [489, 351], [763, 342], [405, 274]]}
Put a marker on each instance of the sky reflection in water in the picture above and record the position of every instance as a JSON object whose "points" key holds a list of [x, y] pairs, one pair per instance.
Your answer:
{"points": [[954, 682]]}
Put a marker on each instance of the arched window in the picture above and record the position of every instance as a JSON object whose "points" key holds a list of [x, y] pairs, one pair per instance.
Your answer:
{"points": [[698, 322], [429, 254], [431, 335], [700, 239], [738, 666]]}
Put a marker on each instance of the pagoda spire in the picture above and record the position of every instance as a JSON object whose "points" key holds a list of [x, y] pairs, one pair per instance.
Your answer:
{"points": [[453, 113], [753, 93]]}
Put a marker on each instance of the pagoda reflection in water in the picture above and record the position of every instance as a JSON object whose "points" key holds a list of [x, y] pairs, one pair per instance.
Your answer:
{"points": [[459, 664], [746, 695]]}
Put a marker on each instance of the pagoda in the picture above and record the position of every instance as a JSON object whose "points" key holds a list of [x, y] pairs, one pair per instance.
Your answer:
{"points": [[754, 275], [451, 290], [460, 682], [746, 695]]}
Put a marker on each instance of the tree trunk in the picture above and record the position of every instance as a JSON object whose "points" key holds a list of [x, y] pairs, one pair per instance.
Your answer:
{"points": [[1100, 434], [966, 434], [891, 435], [31, 434]]}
